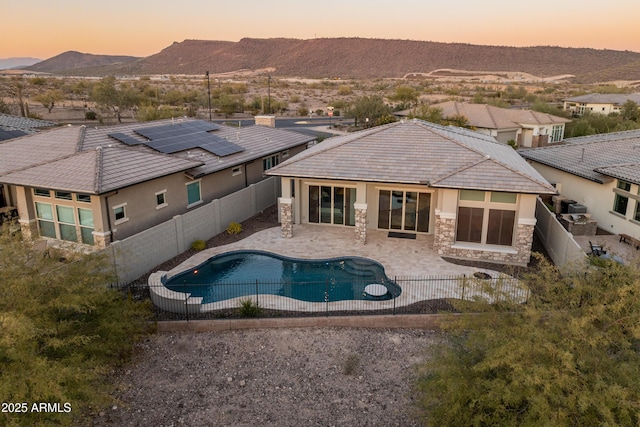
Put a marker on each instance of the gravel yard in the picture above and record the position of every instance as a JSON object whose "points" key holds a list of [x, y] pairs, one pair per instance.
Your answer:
{"points": [[272, 377]]}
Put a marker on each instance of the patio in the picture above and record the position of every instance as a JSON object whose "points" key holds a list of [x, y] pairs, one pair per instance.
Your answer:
{"points": [[400, 257], [612, 244]]}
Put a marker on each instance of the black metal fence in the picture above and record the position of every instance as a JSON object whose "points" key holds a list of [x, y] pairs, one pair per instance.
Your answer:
{"points": [[405, 295]]}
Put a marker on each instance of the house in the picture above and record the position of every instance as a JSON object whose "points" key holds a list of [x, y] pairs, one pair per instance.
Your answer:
{"points": [[600, 172], [600, 103], [475, 196], [527, 128], [15, 126], [94, 185]]}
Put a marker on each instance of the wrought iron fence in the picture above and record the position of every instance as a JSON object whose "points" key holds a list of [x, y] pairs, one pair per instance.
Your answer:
{"points": [[259, 298]]}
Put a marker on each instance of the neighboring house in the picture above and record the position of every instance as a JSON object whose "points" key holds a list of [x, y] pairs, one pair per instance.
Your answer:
{"points": [[601, 172], [526, 128], [94, 185], [475, 196], [14, 127], [601, 103]]}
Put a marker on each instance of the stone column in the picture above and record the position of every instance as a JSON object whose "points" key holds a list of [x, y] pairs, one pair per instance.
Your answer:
{"points": [[361, 222], [101, 239], [445, 232], [286, 217], [29, 229]]}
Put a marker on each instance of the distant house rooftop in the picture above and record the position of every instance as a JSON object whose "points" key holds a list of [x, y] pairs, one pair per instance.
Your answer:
{"points": [[95, 160], [15, 126], [598, 158]]}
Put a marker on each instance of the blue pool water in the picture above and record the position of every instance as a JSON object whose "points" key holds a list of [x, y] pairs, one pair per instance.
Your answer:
{"points": [[242, 273]]}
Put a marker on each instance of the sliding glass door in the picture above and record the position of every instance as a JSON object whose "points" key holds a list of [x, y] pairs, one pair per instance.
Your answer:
{"points": [[332, 205], [404, 210]]}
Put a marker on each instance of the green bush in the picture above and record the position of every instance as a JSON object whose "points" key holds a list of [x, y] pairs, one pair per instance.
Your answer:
{"points": [[234, 228], [198, 245], [249, 309], [63, 331], [90, 115]]}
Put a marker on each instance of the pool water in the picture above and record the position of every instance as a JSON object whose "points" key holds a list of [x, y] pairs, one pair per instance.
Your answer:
{"points": [[242, 273]]}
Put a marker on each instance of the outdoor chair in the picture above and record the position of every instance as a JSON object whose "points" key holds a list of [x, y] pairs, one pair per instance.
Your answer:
{"points": [[596, 250]]}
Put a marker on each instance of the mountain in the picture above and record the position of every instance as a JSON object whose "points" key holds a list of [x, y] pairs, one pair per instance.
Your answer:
{"points": [[8, 63], [72, 60], [360, 58]]}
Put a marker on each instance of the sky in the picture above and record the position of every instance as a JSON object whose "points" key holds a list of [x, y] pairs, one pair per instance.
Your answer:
{"points": [[46, 28]]}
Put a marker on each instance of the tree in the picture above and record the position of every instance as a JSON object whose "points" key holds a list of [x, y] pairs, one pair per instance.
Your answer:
{"points": [[63, 330], [107, 95], [372, 108], [406, 95], [569, 357], [630, 111], [49, 99]]}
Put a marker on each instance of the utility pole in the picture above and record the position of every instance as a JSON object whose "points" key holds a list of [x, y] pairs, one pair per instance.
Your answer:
{"points": [[209, 93]]}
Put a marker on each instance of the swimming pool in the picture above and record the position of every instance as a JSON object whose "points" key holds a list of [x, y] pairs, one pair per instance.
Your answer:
{"points": [[243, 273]]}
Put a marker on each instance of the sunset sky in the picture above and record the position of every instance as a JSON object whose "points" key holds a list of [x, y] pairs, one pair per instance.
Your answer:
{"points": [[43, 29]]}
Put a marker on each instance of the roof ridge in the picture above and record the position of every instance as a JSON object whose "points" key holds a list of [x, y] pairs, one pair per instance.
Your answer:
{"points": [[460, 169], [80, 143], [97, 183], [347, 139], [493, 120]]}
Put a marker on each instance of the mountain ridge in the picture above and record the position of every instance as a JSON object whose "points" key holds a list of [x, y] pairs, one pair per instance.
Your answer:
{"points": [[355, 58]]}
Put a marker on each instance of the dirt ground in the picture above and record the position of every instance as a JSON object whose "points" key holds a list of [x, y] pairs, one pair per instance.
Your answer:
{"points": [[272, 377]]}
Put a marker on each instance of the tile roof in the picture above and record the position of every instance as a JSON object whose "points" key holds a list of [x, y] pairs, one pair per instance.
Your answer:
{"points": [[595, 157], [605, 98], [25, 124], [67, 158], [418, 152], [491, 117]]}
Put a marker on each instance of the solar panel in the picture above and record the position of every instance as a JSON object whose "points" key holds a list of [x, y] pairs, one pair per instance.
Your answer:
{"points": [[186, 136], [129, 140], [10, 134]]}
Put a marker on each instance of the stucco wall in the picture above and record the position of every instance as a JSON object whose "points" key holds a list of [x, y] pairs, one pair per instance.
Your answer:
{"points": [[138, 254], [598, 198]]}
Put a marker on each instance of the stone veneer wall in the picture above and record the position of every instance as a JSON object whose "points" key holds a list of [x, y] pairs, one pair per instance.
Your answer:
{"points": [[445, 238], [361, 223], [286, 218]]}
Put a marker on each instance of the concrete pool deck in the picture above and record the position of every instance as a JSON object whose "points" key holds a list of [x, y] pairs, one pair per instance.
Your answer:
{"points": [[400, 258]]}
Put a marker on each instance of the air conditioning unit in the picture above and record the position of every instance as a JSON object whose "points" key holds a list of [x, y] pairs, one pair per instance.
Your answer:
{"points": [[577, 208]]}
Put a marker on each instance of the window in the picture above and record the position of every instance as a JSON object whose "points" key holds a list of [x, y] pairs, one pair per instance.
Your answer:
{"points": [[500, 227], [636, 216], [41, 192], [64, 195], [621, 200], [66, 223], [269, 162], [557, 133], [46, 225], [236, 171], [84, 198], [161, 199], [194, 196], [120, 214], [85, 217], [285, 154], [486, 217], [470, 224]]}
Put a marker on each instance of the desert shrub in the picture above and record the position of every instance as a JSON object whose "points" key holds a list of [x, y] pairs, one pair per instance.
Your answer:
{"points": [[249, 309], [234, 228], [198, 245]]}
